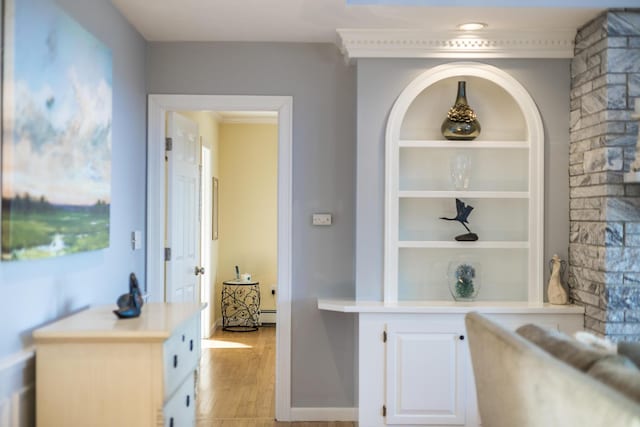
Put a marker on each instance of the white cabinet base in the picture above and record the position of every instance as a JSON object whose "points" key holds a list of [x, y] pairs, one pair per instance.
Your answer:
{"points": [[422, 374]]}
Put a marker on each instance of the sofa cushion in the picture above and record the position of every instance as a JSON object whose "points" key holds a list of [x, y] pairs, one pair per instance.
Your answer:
{"points": [[563, 347], [631, 350], [620, 373]]}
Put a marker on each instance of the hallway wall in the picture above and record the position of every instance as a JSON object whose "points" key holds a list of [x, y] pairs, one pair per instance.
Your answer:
{"points": [[38, 292], [324, 150], [249, 205]]}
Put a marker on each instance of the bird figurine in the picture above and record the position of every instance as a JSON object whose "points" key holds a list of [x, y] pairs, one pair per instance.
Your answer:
{"points": [[463, 212], [130, 305]]}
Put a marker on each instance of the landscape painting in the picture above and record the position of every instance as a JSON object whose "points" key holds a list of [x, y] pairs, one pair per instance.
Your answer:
{"points": [[56, 137]]}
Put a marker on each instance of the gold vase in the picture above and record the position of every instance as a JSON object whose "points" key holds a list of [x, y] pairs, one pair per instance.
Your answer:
{"points": [[461, 122]]}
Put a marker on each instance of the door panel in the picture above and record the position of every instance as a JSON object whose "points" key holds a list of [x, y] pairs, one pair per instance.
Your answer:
{"points": [[183, 215], [425, 374]]}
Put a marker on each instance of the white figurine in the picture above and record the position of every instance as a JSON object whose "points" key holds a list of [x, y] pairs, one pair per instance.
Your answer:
{"points": [[555, 291]]}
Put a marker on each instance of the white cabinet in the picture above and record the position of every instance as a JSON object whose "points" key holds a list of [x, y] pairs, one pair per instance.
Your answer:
{"points": [[421, 375], [425, 372], [93, 369]]}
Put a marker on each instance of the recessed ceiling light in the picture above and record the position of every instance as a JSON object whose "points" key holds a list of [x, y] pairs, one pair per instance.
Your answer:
{"points": [[472, 26]]}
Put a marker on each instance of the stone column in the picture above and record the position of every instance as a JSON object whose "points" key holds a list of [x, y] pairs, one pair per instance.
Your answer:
{"points": [[604, 250]]}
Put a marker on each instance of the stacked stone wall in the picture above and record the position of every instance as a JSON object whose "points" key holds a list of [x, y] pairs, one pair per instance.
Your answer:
{"points": [[604, 249]]}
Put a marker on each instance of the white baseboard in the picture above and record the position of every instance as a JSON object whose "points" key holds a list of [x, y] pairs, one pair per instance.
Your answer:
{"points": [[17, 389], [324, 414], [267, 316]]}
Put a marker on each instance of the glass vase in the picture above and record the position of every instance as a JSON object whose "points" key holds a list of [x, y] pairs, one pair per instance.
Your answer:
{"points": [[463, 277], [461, 122], [460, 171]]}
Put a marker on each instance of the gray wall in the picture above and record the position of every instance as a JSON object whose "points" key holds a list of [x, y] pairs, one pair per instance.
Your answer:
{"points": [[380, 82], [37, 292], [323, 90]]}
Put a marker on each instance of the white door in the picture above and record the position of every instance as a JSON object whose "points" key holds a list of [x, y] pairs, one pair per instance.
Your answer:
{"points": [[426, 373], [183, 210]]}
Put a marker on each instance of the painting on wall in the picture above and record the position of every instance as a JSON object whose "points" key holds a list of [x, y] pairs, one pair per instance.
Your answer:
{"points": [[56, 137]]}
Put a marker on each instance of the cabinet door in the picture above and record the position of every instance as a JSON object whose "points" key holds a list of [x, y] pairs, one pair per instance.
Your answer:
{"points": [[426, 376]]}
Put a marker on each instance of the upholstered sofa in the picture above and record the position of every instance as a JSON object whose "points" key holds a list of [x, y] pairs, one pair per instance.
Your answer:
{"points": [[548, 379]]}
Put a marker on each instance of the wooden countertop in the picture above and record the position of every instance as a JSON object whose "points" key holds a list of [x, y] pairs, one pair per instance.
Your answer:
{"points": [[156, 322]]}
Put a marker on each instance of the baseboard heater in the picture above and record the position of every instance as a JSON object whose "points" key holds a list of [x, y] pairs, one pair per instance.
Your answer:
{"points": [[268, 317]]}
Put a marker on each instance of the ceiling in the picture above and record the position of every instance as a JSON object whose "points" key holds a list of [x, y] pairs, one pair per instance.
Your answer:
{"points": [[318, 20]]}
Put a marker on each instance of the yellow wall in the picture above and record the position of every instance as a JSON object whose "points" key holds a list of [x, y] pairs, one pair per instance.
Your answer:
{"points": [[249, 205], [208, 128]]}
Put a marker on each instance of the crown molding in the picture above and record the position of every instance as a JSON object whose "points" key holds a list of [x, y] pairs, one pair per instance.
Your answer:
{"points": [[366, 43]]}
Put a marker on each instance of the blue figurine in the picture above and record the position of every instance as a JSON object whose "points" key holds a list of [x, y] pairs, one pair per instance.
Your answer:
{"points": [[463, 212], [129, 305]]}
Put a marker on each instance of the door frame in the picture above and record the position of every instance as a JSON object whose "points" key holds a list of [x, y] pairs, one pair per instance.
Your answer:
{"points": [[158, 105], [206, 227]]}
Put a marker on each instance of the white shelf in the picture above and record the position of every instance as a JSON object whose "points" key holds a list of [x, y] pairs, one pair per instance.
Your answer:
{"points": [[407, 143], [414, 194], [506, 180], [433, 244], [502, 307]]}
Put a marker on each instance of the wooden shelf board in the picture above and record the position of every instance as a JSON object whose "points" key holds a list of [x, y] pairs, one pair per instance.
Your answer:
{"points": [[503, 307], [413, 143], [433, 244], [420, 194]]}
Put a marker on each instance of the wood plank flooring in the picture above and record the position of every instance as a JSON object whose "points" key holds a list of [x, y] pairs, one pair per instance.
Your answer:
{"points": [[236, 385]]}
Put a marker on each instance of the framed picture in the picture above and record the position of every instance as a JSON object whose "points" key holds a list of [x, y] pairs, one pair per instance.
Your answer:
{"points": [[56, 134], [214, 209]]}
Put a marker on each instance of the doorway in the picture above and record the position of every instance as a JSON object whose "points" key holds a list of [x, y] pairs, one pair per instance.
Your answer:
{"points": [[157, 107]]}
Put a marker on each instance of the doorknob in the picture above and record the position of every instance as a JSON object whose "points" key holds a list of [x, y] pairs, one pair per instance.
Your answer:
{"points": [[199, 270]]}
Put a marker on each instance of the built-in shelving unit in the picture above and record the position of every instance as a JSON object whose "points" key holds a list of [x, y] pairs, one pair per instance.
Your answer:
{"points": [[426, 377], [505, 188]]}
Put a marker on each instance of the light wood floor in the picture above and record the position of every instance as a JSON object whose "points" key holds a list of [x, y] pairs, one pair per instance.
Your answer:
{"points": [[236, 387]]}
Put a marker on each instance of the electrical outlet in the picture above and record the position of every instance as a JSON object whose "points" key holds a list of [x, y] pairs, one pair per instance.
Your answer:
{"points": [[321, 219]]}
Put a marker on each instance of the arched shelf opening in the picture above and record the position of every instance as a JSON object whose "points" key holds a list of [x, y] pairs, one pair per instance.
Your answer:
{"points": [[505, 187]]}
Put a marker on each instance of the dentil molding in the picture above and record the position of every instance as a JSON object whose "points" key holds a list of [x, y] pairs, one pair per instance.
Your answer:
{"points": [[367, 43]]}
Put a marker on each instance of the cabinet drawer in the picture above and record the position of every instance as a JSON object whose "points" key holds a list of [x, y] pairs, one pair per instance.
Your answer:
{"points": [[180, 410], [181, 353]]}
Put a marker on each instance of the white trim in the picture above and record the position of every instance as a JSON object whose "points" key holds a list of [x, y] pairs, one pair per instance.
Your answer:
{"points": [[249, 120], [398, 43], [17, 388], [535, 139], [324, 414], [14, 359], [157, 106]]}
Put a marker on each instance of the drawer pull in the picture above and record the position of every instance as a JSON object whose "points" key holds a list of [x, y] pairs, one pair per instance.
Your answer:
{"points": [[183, 337], [190, 345], [171, 422], [188, 400], [461, 337], [175, 360]]}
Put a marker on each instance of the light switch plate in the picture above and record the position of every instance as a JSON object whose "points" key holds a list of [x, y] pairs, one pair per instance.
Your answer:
{"points": [[136, 240], [321, 219]]}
